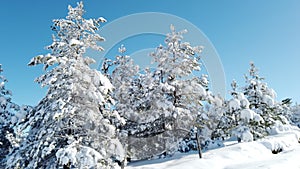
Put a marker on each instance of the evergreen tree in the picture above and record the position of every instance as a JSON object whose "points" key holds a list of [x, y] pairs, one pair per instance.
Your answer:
{"points": [[128, 90], [183, 92], [160, 104], [238, 119], [11, 116], [176, 63], [262, 102], [285, 108], [8, 119], [71, 126], [140, 102], [295, 115], [226, 122], [206, 125]]}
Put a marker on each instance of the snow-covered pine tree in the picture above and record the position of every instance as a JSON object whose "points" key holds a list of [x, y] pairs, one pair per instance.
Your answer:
{"points": [[228, 119], [285, 107], [71, 126], [135, 91], [262, 101], [177, 62], [8, 119], [224, 123], [248, 123], [295, 115], [212, 114], [238, 119], [126, 79], [207, 125], [137, 94], [237, 106], [159, 104]]}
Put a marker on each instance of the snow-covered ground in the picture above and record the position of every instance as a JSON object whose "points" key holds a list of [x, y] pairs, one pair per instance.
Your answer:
{"points": [[248, 155]]}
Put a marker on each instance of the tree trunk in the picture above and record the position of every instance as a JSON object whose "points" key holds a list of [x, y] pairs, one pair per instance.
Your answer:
{"points": [[123, 164], [67, 166], [239, 139], [126, 157], [198, 145]]}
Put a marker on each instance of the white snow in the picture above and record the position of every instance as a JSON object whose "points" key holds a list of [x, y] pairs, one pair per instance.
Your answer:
{"points": [[246, 155], [243, 100], [201, 91], [74, 42], [257, 118], [247, 136], [245, 103], [268, 100], [247, 114], [234, 104], [218, 101]]}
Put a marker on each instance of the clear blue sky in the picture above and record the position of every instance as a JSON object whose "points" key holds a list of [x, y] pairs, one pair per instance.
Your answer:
{"points": [[266, 32]]}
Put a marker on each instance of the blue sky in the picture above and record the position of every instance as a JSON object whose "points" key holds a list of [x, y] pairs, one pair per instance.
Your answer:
{"points": [[266, 32]]}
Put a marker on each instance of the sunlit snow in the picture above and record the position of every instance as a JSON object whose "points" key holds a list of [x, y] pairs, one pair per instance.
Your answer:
{"points": [[247, 155]]}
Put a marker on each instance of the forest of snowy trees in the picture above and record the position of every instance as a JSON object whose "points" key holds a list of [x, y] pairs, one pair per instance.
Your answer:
{"points": [[107, 118]]}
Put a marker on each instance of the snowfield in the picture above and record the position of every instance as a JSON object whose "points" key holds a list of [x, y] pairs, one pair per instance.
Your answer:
{"points": [[247, 155]]}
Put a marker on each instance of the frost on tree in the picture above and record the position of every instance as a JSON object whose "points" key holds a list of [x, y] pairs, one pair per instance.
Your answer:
{"points": [[177, 61], [295, 115], [134, 93], [262, 101], [71, 126], [9, 117], [206, 125], [241, 116], [252, 112], [208, 120], [227, 120], [160, 104], [237, 118], [286, 109]]}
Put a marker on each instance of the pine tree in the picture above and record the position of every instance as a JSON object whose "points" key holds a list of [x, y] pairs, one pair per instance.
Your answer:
{"points": [[71, 126], [262, 102], [138, 94], [225, 122], [207, 125], [160, 104], [295, 115], [285, 109], [231, 115], [177, 61], [128, 91], [8, 119], [175, 91], [238, 119]]}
